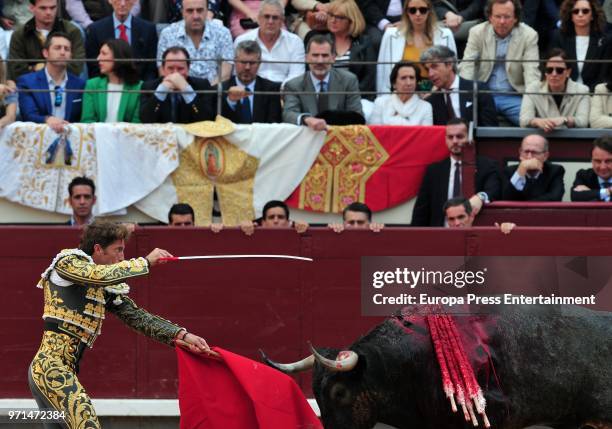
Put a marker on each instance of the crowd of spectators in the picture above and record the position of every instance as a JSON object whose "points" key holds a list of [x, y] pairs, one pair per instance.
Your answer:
{"points": [[316, 63], [321, 56]]}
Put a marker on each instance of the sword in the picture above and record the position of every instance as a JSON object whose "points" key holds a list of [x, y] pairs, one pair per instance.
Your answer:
{"points": [[185, 258]]}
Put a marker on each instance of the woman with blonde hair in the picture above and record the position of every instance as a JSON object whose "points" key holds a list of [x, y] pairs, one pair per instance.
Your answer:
{"points": [[8, 98], [418, 31], [345, 25]]}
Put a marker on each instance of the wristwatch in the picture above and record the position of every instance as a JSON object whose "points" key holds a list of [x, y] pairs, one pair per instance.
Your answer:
{"points": [[483, 197]]}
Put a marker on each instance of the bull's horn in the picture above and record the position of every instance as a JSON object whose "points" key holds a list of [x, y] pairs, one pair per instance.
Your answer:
{"points": [[289, 368], [345, 361]]}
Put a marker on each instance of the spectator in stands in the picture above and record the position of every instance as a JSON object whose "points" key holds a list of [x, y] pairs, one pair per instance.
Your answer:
{"points": [[57, 105], [175, 99], [595, 184], [82, 197], [311, 15], [181, 214], [459, 16], [302, 109], [345, 24], [275, 215], [460, 213], [119, 74], [123, 24], [14, 13], [8, 99], [86, 12], [379, 16], [357, 216], [504, 39], [582, 38], [403, 107], [534, 178], [561, 102], [543, 17], [446, 101], [601, 106], [418, 31], [243, 16], [276, 43], [169, 11], [243, 103], [443, 180], [28, 41], [206, 41]]}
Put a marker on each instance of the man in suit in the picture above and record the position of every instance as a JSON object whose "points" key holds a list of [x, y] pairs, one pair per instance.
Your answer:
{"points": [[503, 38], [140, 34], [175, 99], [302, 109], [595, 184], [57, 106], [449, 100], [443, 180], [534, 178], [27, 41], [82, 197], [244, 104]]}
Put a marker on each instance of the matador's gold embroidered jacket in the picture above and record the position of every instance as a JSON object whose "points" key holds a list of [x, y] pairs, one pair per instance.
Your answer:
{"points": [[77, 293]]}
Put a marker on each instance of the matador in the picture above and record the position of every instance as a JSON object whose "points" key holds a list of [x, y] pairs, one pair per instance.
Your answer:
{"points": [[79, 286]]}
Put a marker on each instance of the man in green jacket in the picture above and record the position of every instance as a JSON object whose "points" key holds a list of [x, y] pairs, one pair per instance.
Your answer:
{"points": [[28, 40]]}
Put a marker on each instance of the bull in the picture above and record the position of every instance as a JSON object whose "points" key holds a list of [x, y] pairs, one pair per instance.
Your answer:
{"points": [[536, 365]]}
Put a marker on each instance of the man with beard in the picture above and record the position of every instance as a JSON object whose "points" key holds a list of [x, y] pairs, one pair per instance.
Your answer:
{"points": [[306, 96], [443, 179]]}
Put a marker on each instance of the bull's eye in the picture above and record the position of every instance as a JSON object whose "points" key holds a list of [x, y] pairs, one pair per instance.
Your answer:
{"points": [[340, 394]]}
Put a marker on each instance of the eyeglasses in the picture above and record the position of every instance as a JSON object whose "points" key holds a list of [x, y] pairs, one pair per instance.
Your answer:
{"points": [[421, 10], [58, 96], [338, 17], [557, 70], [584, 11], [271, 17]]}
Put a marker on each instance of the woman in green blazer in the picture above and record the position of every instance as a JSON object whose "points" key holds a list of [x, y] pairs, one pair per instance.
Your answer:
{"points": [[109, 100]]}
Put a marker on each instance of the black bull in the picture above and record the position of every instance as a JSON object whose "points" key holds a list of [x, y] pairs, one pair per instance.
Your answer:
{"points": [[543, 365]]}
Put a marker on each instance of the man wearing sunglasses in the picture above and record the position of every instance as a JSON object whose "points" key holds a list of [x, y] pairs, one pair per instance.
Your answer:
{"points": [[534, 178], [59, 102]]}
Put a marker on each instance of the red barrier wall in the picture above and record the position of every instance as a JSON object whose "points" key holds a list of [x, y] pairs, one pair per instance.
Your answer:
{"points": [[546, 214], [241, 305]]}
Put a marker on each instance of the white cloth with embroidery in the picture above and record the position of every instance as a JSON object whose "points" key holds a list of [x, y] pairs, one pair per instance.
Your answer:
{"points": [[285, 153], [134, 160], [126, 162]]}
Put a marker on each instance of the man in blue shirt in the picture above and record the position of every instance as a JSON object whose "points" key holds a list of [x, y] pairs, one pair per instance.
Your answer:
{"points": [[57, 105]]}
